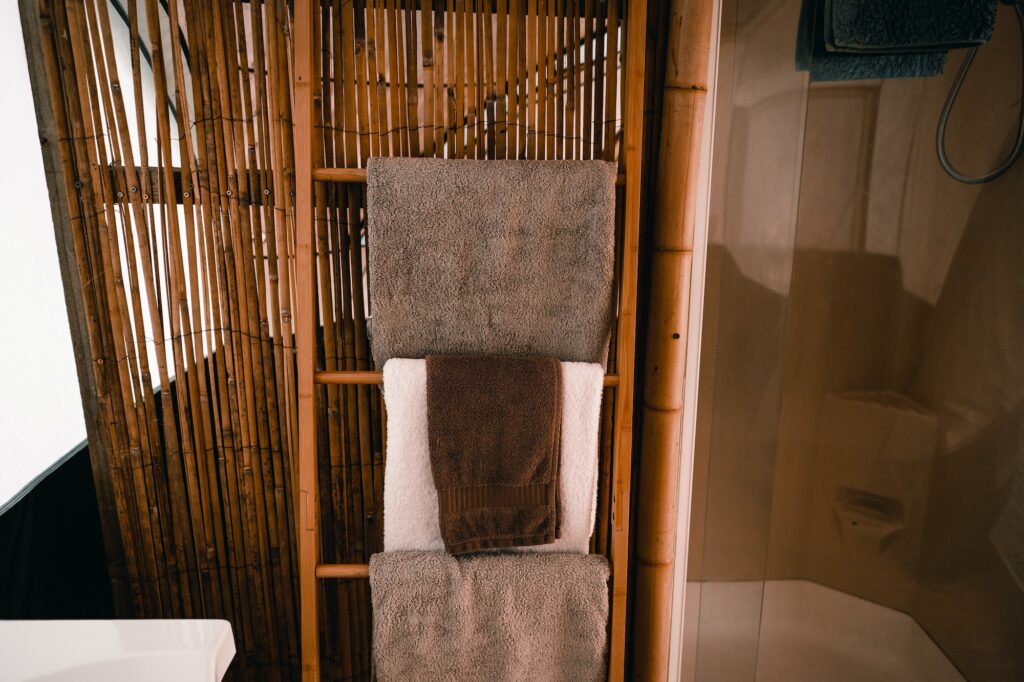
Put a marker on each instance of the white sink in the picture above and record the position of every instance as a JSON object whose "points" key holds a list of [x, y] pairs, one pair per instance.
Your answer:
{"points": [[115, 650]]}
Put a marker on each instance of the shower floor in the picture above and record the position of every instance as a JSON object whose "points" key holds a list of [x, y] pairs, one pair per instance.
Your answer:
{"points": [[802, 632]]}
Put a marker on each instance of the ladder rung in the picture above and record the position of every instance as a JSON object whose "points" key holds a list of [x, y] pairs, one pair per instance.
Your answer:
{"points": [[353, 175], [352, 377], [349, 378], [342, 570], [358, 175]]}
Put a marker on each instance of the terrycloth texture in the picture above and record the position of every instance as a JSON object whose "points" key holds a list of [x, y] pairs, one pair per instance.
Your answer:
{"points": [[812, 55], [410, 499], [509, 257], [893, 26], [493, 426], [489, 617]]}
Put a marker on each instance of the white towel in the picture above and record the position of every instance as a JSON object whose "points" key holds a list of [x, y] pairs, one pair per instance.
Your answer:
{"points": [[410, 499]]}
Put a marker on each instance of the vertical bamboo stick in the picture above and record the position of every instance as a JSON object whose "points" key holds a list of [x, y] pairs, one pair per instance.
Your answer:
{"points": [[305, 338], [427, 41], [334, 73], [611, 76], [532, 57], [411, 79], [502, 92], [685, 91], [457, 62], [636, 27], [551, 58], [600, 38], [400, 65], [470, 55], [543, 55], [441, 82], [389, 21], [588, 81], [361, 84], [516, 69], [378, 58], [576, 85], [488, 94], [563, 51]]}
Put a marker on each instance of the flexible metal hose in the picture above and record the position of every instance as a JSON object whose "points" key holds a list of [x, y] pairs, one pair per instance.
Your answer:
{"points": [[947, 108]]}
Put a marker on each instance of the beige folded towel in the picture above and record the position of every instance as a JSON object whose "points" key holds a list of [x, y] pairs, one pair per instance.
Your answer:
{"points": [[489, 617]]}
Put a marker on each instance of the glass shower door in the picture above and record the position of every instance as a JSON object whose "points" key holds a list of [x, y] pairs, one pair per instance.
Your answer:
{"points": [[858, 504], [758, 140]]}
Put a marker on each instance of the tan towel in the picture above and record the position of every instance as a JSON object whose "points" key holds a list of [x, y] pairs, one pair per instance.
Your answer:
{"points": [[489, 617], [494, 427], [470, 256]]}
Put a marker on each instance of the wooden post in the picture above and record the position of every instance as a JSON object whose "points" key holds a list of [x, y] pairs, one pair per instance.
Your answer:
{"points": [[305, 339], [685, 91], [633, 122]]}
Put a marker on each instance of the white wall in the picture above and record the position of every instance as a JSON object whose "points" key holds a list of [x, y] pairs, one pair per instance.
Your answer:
{"points": [[40, 408]]}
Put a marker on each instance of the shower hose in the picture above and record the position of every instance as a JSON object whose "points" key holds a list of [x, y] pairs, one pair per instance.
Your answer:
{"points": [[947, 108]]}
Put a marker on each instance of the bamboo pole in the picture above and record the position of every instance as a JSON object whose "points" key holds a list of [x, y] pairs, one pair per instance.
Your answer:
{"points": [[635, 67], [411, 80], [502, 56], [335, 516], [305, 338], [427, 41], [55, 141], [394, 91], [587, 141], [685, 90], [329, 148], [440, 83]]}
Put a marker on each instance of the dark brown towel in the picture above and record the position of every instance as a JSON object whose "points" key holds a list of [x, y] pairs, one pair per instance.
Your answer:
{"points": [[493, 424]]}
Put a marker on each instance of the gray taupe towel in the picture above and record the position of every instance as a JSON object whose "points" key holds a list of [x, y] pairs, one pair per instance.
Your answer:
{"points": [[511, 257], [489, 617], [494, 429]]}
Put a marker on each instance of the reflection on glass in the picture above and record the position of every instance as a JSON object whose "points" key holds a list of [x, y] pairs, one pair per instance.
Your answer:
{"points": [[862, 375]]}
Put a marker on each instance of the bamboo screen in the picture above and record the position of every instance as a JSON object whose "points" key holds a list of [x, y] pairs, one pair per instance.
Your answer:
{"points": [[183, 250]]}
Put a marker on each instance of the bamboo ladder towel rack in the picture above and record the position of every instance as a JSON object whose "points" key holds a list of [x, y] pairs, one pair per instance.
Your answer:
{"points": [[311, 569]]}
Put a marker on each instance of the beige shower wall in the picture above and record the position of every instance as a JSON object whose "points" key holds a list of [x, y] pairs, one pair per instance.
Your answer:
{"points": [[907, 290]]}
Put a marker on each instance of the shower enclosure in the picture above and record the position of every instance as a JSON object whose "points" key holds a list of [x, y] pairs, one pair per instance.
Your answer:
{"points": [[858, 482]]}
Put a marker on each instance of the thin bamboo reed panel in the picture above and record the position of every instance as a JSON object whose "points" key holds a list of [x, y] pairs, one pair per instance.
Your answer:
{"points": [[182, 218]]}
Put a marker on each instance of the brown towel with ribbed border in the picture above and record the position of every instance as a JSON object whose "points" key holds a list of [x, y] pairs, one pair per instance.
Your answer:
{"points": [[493, 425]]}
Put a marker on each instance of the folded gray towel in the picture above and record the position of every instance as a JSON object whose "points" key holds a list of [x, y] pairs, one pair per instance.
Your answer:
{"points": [[897, 26], [812, 55], [473, 257], [489, 617]]}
